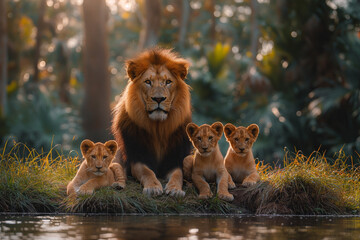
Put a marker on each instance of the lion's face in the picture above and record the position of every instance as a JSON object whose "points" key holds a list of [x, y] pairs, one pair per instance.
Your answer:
{"points": [[98, 155], [241, 138], [158, 89], [205, 137]]}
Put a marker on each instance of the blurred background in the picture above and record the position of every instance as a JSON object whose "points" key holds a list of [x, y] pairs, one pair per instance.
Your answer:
{"points": [[291, 66]]}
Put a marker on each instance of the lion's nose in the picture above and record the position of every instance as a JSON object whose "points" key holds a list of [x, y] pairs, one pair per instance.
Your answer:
{"points": [[158, 99], [99, 167]]}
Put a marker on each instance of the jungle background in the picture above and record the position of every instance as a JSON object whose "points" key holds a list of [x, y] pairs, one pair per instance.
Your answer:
{"points": [[292, 67]]}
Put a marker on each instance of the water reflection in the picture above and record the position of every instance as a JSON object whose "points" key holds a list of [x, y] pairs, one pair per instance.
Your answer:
{"points": [[178, 227]]}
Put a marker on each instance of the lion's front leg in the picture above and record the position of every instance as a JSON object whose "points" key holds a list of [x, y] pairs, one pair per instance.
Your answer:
{"points": [[175, 183], [147, 178]]}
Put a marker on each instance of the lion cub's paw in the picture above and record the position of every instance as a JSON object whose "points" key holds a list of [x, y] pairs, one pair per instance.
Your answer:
{"points": [[226, 196], [205, 195], [118, 185], [248, 184], [232, 185], [173, 191], [154, 189], [84, 191]]}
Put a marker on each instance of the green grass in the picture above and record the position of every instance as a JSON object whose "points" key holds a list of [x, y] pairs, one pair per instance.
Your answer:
{"points": [[36, 182], [305, 185]]}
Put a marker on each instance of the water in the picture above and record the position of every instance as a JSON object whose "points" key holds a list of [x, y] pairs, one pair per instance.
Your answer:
{"points": [[178, 227]]}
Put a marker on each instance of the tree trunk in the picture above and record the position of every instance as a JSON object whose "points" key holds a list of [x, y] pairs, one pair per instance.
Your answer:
{"points": [[254, 5], [96, 106], [39, 34], [149, 35], [184, 5], [63, 71], [3, 58]]}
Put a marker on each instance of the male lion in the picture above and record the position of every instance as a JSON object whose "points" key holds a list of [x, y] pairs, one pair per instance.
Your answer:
{"points": [[150, 118]]}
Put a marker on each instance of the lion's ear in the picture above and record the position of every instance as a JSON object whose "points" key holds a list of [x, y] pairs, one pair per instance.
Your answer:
{"points": [[229, 129], [85, 146], [130, 69], [253, 129], [179, 67], [218, 128], [111, 146], [191, 129]]}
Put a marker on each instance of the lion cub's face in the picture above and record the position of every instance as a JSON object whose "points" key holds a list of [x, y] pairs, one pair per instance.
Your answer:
{"points": [[205, 137], [98, 155], [240, 138], [158, 91]]}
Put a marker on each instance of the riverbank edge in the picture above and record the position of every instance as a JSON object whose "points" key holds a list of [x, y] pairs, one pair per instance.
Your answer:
{"points": [[302, 186]]}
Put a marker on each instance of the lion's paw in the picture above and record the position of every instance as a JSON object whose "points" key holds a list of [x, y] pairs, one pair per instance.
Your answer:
{"points": [[153, 189], [173, 191]]}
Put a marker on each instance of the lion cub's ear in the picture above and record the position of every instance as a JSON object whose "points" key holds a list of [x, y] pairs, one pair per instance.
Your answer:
{"points": [[218, 128], [228, 130], [253, 129], [85, 146], [111, 146], [191, 129]]}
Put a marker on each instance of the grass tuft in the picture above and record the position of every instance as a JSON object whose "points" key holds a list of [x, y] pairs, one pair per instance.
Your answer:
{"points": [[305, 185], [36, 182]]}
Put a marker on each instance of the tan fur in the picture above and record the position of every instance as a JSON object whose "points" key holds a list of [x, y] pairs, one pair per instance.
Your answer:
{"points": [[208, 162], [97, 170], [239, 160], [154, 74]]}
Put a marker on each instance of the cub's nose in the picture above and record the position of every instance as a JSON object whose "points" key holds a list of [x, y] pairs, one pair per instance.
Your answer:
{"points": [[241, 149], [158, 99], [98, 167], [204, 148]]}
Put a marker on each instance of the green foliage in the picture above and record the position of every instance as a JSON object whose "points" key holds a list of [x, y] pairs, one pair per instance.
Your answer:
{"points": [[39, 122], [302, 87]]}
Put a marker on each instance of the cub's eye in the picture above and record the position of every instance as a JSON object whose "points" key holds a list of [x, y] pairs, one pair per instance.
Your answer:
{"points": [[148, 82], [211, 137], [199, 138], [93, 156], [236, 139], [168, 82], [104, 157], [247, 139]]}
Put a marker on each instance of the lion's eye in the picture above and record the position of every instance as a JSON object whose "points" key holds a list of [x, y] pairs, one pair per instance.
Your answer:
{"points": [[199, 138], [168, 82], [236, 139], [247, 139], [93, 156], [148, 82], [104, 157], [211, 137]]}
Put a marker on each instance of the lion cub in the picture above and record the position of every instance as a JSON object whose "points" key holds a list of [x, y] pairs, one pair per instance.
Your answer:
{"points": [[208, 163], [97, 170], [239, 160]]}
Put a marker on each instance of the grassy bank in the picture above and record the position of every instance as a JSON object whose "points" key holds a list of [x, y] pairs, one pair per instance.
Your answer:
{"points": [[36, 182]]}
